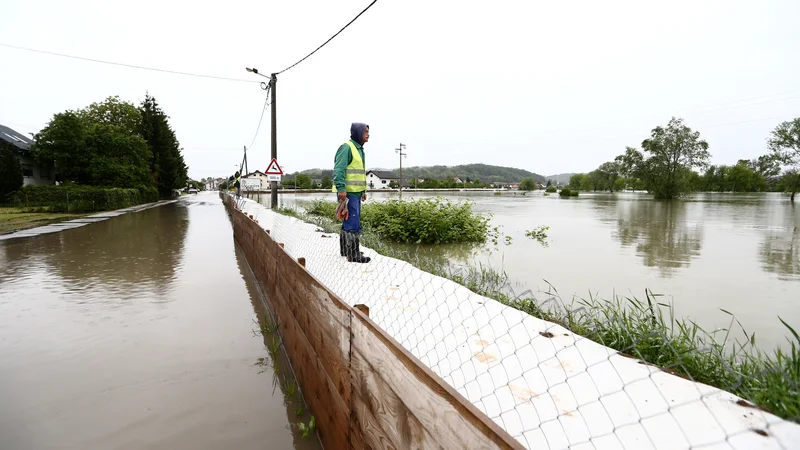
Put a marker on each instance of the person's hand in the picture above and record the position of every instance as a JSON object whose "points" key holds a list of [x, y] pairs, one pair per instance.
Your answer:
{"points": [[364, 197], [342, 195]]}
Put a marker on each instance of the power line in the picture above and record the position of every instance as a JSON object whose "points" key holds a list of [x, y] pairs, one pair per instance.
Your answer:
{"points": [[132, 66], [263, 110], [331, 38]]}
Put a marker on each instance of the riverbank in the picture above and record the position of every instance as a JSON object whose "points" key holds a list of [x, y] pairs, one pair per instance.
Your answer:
{"points": [[546, 385]]}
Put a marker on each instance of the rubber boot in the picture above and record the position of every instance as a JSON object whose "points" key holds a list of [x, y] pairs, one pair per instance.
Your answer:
{"points": [[342, 246], [354, 254]]}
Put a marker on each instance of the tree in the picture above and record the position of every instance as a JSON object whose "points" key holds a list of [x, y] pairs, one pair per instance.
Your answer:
{"points": [[167, 166], [784, 142], [577, 181], [113, 111], [303, 181], [766, 165], [672, 152], [596, 181], [527, 185], [95, 147], [10, 172], [549, 183], [327, 183], [611, 171]]}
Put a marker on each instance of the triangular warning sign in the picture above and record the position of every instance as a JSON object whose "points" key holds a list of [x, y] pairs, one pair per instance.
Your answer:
{"points": [[273, 168]]}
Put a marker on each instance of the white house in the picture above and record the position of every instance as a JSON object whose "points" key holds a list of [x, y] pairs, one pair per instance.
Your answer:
{"points": [[256, 181], [380, 179], [32, 172]]}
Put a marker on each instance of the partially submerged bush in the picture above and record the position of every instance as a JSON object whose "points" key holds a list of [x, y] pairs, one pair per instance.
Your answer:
{"points": [[568, 193], [419, 221], [551, 189]]}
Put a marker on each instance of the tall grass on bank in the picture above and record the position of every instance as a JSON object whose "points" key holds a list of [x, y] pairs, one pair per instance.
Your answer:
{"points": [[647, 330]]}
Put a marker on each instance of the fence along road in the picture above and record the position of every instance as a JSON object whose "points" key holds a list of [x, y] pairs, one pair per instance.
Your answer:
{"points": [[544, 385]]}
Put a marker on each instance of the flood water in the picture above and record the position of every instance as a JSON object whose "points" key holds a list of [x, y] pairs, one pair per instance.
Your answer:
{"points": [[738, 252], [137, 333]]}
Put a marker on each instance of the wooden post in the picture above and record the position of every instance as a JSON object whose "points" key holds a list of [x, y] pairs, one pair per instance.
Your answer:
{"points": [[302, 261], [363, 308]]}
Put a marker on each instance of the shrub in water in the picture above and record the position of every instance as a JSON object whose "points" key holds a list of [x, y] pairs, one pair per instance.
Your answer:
{"points": [[420, 221], [568, 193], [551, 189]]}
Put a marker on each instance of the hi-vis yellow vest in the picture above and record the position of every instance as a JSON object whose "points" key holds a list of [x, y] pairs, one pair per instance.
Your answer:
{"points": [[355, 174]]}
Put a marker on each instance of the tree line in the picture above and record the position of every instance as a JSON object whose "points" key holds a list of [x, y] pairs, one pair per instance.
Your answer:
{"points": [[113, 144], [674, 161]]}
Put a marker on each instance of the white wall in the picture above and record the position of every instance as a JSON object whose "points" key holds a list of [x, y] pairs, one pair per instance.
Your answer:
{"points": [[377, 182], [33, 173]]}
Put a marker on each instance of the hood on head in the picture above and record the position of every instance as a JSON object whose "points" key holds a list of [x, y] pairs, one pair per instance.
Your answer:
{"points": [[357, 132]]}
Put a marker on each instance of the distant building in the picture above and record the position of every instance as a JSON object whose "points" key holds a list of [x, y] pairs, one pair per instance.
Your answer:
{"points": [[256, 181], [32, 172], [380, 179]]}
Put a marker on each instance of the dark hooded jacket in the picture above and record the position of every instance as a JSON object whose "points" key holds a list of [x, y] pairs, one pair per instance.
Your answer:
{"points": [[344, 157]]}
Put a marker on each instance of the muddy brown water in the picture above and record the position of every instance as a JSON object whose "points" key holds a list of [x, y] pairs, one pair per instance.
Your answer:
{"points": [[705, 253], [137, 333]]}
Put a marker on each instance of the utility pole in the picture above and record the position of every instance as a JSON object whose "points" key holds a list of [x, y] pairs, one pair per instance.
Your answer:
{"points": [[244, 164], [273, 186], [273, 81], [401, 155]]}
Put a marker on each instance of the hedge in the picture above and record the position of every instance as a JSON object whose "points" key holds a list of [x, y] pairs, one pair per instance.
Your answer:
{"points": [[73, 198]]}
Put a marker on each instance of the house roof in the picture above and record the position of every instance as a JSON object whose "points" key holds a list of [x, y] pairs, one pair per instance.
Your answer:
{"points": [[17, 139], [384, 174]]}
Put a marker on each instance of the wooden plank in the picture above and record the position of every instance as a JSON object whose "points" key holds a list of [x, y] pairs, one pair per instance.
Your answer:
{"points": [[442, 411], [330, 410], [381, 416], [307, 296], [327, 332]]}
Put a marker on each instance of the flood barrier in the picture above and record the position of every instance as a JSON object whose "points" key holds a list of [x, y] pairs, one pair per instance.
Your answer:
{"points": [[364, 389]]}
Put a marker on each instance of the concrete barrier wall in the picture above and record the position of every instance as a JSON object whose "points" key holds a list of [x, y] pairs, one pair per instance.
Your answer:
{"points": [[365, 390]]}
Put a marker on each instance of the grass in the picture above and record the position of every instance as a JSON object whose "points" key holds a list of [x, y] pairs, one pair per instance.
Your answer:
{"points": [[647, 330], [15, 219]]}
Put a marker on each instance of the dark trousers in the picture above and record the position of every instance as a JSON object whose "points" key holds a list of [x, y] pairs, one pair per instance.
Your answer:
{"points": [[353, 222]]}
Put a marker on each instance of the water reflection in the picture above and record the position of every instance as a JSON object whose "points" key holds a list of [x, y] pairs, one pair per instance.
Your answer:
{"points": [[126, 256], [780, 253], [663, 236]]}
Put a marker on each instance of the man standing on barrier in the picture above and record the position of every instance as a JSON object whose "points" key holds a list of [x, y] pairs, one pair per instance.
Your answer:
{"points": [[350, 184]]}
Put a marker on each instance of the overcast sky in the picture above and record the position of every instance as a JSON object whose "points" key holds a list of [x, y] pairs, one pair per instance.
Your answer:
{"points": [[550, 87]]}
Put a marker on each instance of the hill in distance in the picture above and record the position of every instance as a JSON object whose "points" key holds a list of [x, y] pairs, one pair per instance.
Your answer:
{"points": [[484, 172], [561, 178]]}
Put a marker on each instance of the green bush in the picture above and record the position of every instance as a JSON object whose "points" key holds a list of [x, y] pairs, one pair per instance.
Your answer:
{"points": [[551, 189], [74, 198], [421, 221], [568, 193]]}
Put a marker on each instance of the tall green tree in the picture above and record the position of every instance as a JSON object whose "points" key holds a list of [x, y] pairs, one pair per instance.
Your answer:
{"points": [[326, 182], [671, 154], [167, 166], [10, 171], [611, 171], [96, 146], [527, 185], [303, 181], [784, 142], [576, 181]]}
